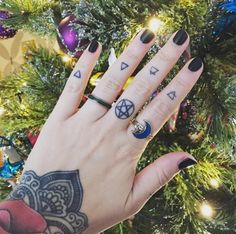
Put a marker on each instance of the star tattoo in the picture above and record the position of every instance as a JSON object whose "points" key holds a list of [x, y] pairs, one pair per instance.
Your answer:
{"points": [[124, 109]]}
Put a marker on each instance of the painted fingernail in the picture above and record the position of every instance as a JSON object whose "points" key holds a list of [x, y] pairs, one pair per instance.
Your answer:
{"points": [[187, 163], [195, 65], [93, 46], [180, 37], [147, 36]]}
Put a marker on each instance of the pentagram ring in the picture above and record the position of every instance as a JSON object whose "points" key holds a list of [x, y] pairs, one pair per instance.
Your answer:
{"points": [[100, 101], [142, 131]]}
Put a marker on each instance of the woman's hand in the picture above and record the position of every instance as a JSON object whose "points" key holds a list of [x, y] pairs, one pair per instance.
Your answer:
{"points": [[81, 174]]}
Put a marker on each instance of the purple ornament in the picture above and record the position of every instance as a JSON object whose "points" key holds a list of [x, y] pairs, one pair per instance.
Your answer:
{"points": [[69, 38], [5, 32]]}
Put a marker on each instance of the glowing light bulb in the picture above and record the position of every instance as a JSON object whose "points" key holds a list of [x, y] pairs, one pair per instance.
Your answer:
{"points": [[66, 58], [2, 110], [214, 183], [155, 24], [206, 210], [22, 106]]}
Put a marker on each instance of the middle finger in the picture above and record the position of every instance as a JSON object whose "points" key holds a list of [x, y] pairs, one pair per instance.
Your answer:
{"points": [[148, 79]]}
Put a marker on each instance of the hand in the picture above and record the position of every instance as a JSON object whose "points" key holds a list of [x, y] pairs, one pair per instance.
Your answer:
{"points": [[81, 174]]}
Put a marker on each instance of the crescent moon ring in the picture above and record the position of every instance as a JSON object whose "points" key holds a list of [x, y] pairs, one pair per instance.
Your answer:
{"points": [[142, 131]]}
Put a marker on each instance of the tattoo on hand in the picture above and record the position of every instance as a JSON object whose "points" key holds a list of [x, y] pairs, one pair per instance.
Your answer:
{"points": [[153, 71], [124, 66], [172, 95], [57, 196], [78, 74], [124, 109]]}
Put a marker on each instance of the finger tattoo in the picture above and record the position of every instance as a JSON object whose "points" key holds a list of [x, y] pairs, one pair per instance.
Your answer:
{"points": [[78, 74], [124, 66], [124, 109], [153, 71], [172, 95]]}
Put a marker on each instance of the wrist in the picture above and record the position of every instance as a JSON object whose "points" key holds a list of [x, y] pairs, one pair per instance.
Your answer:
{"points": [[54, 201]]}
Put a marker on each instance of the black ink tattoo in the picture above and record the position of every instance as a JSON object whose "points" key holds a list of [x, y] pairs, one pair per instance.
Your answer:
{"points": [[124, 66], [172, 95], [124, 109], [78, 74], [153, 71], [57, 196]]}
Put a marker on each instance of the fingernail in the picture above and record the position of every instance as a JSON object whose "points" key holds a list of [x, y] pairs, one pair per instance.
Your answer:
{"points": [[187, 163], [195, 65], [93, 46], [147, 36], [180, 37]]}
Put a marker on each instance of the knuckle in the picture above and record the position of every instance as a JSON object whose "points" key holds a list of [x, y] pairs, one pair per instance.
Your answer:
{"points": [[161, 109], [183, 84], [161, 176], [142, 88], [112, 85], [167, 57], [73, 87], [132, 54]]}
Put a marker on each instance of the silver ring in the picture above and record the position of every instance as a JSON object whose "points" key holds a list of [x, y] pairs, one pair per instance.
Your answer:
{"points": [[142, 131]]}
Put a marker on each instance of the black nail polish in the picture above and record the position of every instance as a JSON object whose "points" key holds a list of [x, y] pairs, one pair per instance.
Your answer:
{"points": [[93, 46], [147, 36], [187, 163], [180, 37], [195, 65]]}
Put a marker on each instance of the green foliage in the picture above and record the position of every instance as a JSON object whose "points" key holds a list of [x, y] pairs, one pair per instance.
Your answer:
{"points": [[208, 132], [29, 95], [35, 16], [5, 189]]}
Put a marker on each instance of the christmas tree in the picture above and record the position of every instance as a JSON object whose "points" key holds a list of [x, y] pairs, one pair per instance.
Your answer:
{"points": [[200, 200]]}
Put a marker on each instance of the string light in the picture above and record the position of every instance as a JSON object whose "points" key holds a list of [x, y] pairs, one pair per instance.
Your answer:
{"points": [[214, 183], [22, 106], [24, 84], [66, 58], [2, 110], [155, 24], [206, 210]]}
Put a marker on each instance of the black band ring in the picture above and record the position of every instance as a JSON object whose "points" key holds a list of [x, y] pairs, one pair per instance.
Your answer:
{"points": [[100, 101]]}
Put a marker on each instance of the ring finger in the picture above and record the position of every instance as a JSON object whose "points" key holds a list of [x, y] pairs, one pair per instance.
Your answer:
{"points": [[164, 105]]}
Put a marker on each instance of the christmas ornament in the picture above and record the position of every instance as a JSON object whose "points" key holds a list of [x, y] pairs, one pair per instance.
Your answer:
{"points": [[10, 160], [5, 32], [33, 136], [72, 40], [226, 24], [9, 170], [229, 5]]}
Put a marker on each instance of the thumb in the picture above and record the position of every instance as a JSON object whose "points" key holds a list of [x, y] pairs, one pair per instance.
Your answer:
{"points": [[154, 176]]}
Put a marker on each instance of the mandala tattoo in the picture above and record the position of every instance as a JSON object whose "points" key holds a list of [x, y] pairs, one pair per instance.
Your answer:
{"points": [[57, 196], [153, 71], [78, 74], [124, 109], [172, 95], [124, 66]]}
